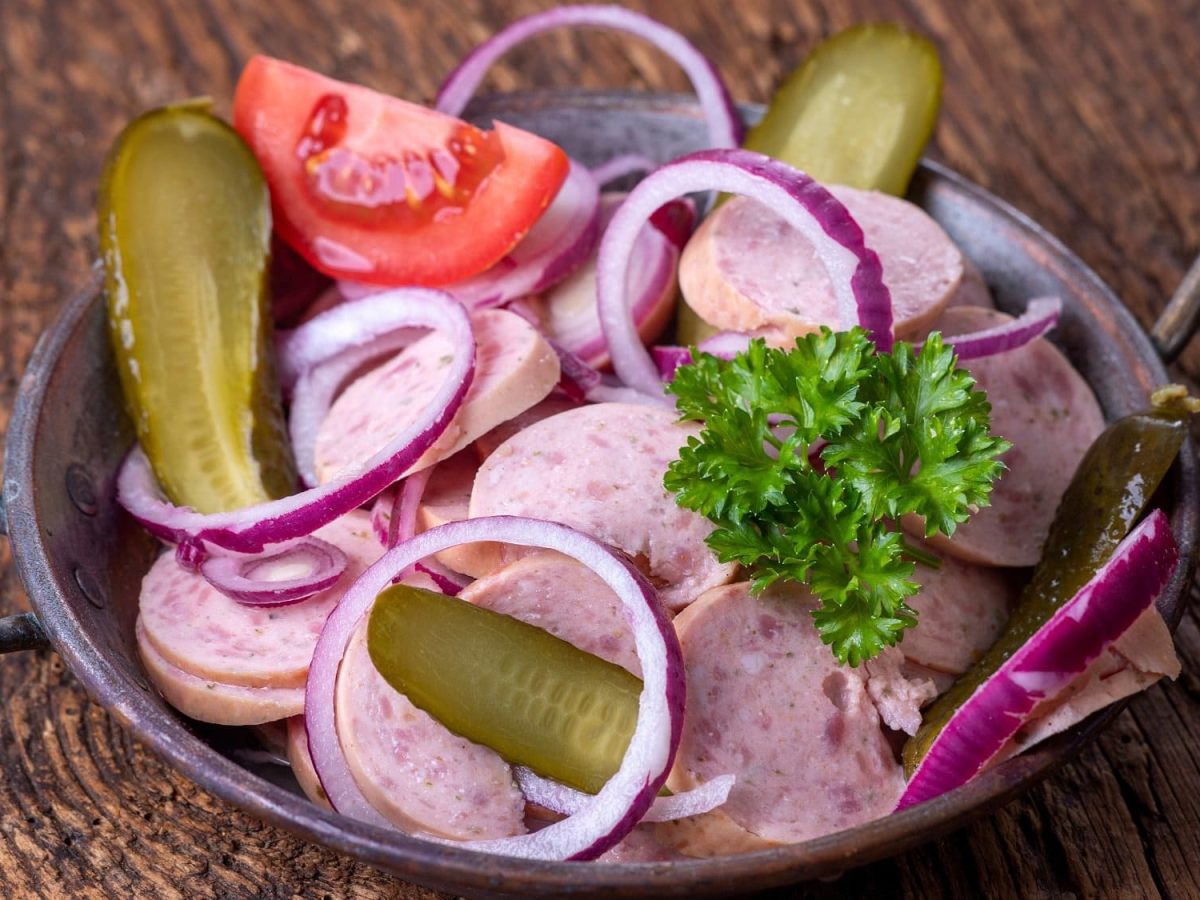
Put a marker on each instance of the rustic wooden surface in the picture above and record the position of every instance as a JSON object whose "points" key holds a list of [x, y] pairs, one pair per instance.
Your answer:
{"points": [[1084, 114]]}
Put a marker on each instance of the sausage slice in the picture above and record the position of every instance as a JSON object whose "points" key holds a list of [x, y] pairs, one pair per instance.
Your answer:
{"points": [[514, 368], [767, 701], [600, 469], [747, 269]]}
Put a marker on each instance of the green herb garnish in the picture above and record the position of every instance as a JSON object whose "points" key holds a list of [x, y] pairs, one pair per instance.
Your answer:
{"points": [[906, 433]]}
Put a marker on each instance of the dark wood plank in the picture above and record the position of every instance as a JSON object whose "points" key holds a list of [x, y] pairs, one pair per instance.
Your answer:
{"points": [[1084, 115]]}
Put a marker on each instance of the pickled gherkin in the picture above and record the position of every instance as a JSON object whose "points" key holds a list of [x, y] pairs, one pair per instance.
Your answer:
{"points": [[858, 111], [1107, 495], [185, 228], [535, 699]]}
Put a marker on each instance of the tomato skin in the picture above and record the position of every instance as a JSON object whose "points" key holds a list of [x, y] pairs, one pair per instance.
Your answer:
{"points": [[446, 236]]}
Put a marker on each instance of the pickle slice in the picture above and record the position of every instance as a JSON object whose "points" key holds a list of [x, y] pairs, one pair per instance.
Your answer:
{"points": [[533, 698], [185, 227], [1107, 495], [858, 111]]}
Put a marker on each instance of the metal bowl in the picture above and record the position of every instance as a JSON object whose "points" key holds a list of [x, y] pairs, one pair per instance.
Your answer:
{"points": [[82, 559]]}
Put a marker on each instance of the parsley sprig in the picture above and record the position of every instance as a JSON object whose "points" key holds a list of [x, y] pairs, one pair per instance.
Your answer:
{"points": [[903, 432]]}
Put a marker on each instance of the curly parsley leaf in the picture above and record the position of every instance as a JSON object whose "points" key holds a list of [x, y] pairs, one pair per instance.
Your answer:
{"points": [[904, 432]]}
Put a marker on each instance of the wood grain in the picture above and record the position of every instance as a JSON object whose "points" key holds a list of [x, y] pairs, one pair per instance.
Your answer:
{"points": [[1083, 114]]}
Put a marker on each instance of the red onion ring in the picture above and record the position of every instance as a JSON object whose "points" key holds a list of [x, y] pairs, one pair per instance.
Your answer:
{"points": [[1039, 317], [622, 165], [854, 270], [608, 816], [577, 379], [447, 581], [251, 529], [571, 316], [726, 345], [724, 125], [349, 325], [1049, 660], [256, 581], [566, 800], [381, 516], [317, 388]]}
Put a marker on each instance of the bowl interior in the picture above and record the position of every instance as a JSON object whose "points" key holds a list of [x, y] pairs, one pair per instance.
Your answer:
{"points": [[82, 559]]}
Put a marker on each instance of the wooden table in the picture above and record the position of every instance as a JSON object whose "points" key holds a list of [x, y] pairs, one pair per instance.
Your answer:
{"points": [[1084, 114]]}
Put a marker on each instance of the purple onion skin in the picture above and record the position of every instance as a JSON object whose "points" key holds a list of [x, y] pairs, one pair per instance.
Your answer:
{"points": [[1076, 634], [725, 125], [1040, 317], [793, 195]]}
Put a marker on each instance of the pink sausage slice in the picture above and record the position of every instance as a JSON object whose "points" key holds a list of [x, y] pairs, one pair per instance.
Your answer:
{"points": [[214, 701], [767, 702], [1048, 412], [563, 597], [419, 775], [198, 629], [961, 610], [551, 406], [600, 469], [746, 269], [514, 369]]}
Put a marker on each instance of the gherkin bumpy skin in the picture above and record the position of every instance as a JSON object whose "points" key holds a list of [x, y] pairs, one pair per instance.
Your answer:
{"points": [[1110, 490], [185, 227], [858, 111], [532, 697]]}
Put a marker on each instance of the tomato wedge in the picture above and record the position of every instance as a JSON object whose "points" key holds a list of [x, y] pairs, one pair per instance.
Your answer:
{"points": [[375, 189]]}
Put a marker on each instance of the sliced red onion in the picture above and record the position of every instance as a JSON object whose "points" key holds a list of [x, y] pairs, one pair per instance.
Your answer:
{"points": [[522, 308], [290, 575], [382, 511], [668, 358], [577, 379], [724, 125], [726, 345], [251, 529], [854, 270], [1077, 633], [394, 513], [448, 581], [403, 524], [559, 798], [613, 812], [1039, 317], [314, 393], [616, 393], [189, 555], [356, 290], [620, 166], [561, 240], [571, 316], [348, 326]]}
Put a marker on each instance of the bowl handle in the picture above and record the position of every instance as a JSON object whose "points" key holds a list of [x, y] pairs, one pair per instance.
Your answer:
{"points": [[22, 631], [1178, 321]]}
